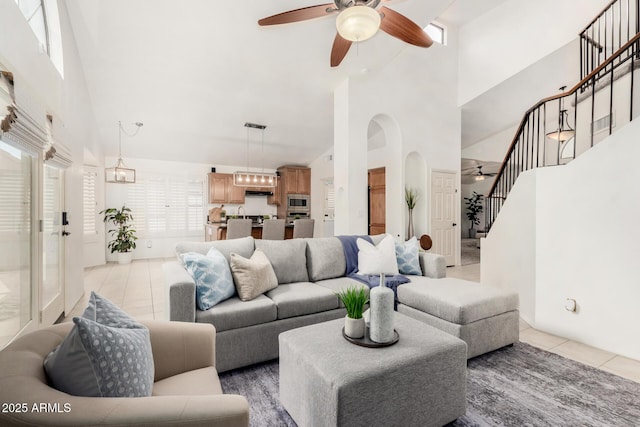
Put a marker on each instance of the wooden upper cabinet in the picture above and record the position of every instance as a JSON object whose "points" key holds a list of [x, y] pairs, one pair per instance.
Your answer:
{"points": [[218, 188], [222, 190], [235, 192], [295, 180], [275, 199]]}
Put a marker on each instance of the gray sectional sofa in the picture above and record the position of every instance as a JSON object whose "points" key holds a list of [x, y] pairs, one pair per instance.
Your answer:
{"points": [[310, 272]]}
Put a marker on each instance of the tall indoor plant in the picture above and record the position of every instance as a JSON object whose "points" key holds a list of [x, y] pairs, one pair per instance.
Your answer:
{"points": [[411, 197], [124, 236], [474, 207]]}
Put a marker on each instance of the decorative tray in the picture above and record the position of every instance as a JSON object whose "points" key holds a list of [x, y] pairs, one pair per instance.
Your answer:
{"points": [[366, 342]]}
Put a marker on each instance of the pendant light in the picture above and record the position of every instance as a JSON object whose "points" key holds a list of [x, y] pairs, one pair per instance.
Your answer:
{"points": [[120, 173], [564, 131], [247, 178]]}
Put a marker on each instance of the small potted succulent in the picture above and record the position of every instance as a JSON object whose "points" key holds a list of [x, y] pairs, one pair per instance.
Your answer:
{"points": [[354, 300]]}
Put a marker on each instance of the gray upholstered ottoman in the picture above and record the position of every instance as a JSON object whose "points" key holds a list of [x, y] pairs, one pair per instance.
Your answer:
{"points": [[486, 318], [328, 381]]}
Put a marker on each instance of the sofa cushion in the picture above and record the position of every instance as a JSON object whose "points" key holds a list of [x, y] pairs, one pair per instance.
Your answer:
{"points": [[298, 299], [377, 259], [235, 313], [199, 382], [339, 284], [325, 258], [253, 276], [407, 257], [288, 258], [243, 246], [212, 277], [455, 300]]}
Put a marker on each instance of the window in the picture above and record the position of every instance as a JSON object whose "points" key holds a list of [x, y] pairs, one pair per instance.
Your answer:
{"points": [[436, 32], [166, 206], [43, 18], [89, 204], [33, 12]]}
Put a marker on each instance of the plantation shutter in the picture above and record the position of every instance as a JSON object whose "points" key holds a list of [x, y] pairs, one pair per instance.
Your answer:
{"points": [[89, 202]]}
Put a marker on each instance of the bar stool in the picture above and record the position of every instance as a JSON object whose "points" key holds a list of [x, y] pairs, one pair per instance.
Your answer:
{"points": [[237, 228], [303, 228], [273, 229]]}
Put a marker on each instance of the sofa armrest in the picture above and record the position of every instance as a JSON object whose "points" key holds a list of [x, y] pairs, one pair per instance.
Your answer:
{"points": [[180, 293], [181, 347], [433, 265]]}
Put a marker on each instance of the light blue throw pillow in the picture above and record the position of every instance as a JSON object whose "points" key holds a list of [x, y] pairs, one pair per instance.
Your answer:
{"points": [[106, 354], [407, 257], [212, 275]]}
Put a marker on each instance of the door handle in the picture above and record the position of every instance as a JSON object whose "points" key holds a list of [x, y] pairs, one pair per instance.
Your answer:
{"points": [[454, 224], [65, 233]]}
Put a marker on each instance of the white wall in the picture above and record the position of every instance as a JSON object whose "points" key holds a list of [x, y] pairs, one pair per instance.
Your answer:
{"points": [[515, 35], [424, 115], [69, 101], [584, 246], [492, 148]]}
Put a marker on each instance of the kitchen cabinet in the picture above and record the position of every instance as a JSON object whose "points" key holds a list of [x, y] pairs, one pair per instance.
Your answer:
{"points": [[222, 190], [275, 198], [295, 180]]}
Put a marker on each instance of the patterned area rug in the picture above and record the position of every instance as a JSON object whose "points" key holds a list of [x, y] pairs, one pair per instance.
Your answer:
{"points": [[515, 386]]}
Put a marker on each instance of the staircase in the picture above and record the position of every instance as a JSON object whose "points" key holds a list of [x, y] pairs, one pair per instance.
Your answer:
{"points": [[559, 128]]}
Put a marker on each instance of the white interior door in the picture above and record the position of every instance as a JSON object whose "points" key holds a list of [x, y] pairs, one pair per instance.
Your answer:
{"points": [[52, 289], [443, 215]]}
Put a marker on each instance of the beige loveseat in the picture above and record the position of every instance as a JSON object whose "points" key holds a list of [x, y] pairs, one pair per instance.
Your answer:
{"points": [[186, 390]]}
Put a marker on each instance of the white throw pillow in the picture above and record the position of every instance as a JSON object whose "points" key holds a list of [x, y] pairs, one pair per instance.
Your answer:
{"points": [[377, 259]]}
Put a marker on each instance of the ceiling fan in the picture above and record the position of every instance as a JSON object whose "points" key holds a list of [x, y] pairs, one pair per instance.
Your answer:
{"points": [[357, 20], [478, 175]]}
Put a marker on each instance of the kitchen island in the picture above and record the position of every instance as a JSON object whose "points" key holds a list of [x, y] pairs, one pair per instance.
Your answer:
{"points": [[218, 231]]}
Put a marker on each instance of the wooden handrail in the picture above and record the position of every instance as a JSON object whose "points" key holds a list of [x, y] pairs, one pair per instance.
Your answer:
{"points": [[598, 15], [571, 91]]}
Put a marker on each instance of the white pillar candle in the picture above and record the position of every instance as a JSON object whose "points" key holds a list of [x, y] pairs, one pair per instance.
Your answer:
{"points": [[381, 306]]}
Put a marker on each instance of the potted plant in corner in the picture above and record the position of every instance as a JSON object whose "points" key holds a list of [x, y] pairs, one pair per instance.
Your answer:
{"points": [[354, 300], [474, 207], [124, 236]]}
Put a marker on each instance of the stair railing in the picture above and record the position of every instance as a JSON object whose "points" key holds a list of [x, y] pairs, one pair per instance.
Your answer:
{"points": [[607, 33], [559, 128]]}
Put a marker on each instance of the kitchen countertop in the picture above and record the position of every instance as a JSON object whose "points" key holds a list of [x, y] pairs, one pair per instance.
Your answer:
{"points": [[254, 225]]}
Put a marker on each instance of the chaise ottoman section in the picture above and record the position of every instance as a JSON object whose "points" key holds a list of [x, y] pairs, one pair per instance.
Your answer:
{"points": [[486, 318], [327, 381]]}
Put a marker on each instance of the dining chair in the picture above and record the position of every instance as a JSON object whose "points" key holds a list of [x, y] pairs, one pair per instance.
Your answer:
{"points": [[273, 229], [303, 228], [237, 228]]}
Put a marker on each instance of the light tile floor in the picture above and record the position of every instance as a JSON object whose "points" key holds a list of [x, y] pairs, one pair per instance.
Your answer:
{"points": [[139, 289]]}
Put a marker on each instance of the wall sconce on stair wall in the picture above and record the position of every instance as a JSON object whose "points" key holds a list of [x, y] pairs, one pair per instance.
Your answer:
{"points": [[120, 173]]}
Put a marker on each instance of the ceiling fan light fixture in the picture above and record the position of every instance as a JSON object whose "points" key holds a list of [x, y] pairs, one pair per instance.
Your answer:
{"points": [[358, 23], [480, 177]]}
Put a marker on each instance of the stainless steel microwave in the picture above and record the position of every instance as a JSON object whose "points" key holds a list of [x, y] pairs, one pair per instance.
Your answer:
{"points": [[298, 202]]}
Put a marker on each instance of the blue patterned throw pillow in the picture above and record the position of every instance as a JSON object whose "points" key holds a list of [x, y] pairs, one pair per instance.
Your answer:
{"points": [[212, 275], [407, 256], [106, 354], [121, 358]]}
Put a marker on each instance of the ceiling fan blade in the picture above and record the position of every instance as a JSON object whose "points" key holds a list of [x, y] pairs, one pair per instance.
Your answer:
{"points": [[296, 15], [339, 51], [401, 27]]}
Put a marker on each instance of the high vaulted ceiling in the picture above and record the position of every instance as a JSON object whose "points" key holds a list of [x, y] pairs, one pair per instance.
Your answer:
{"points": [[195, 71]]}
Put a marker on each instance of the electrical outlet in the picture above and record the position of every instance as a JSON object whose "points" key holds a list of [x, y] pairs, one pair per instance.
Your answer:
{"points": [[148, 243]]}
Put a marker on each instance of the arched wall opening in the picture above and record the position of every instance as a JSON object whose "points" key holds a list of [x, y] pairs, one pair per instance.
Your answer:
{"points": [[415, 178], [384, 149]]}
